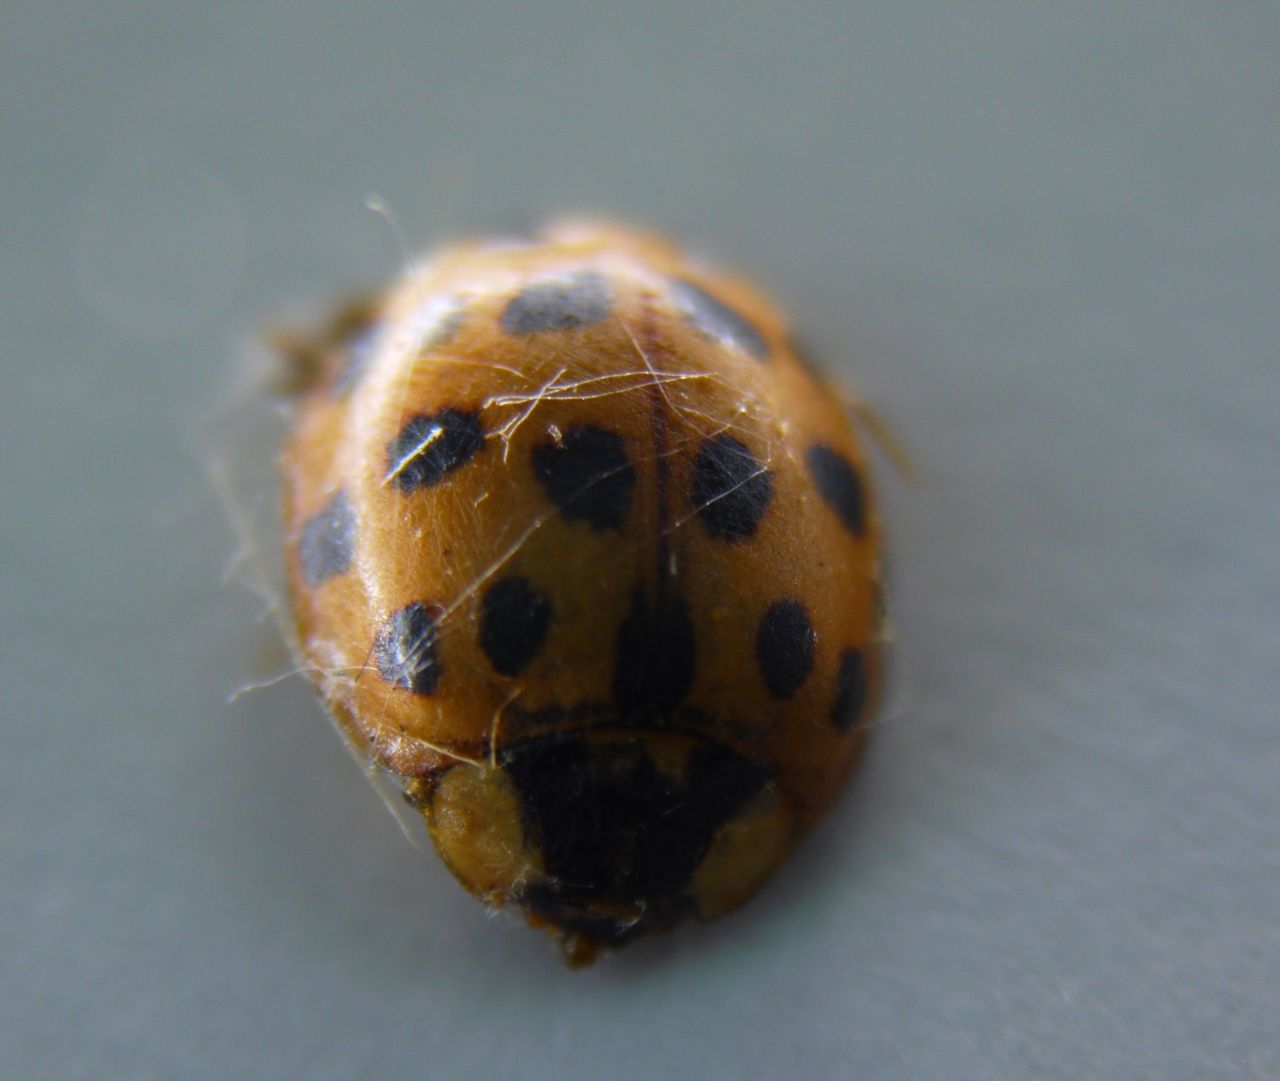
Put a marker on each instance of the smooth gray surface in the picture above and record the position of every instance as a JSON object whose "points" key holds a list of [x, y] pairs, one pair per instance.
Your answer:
{"points": [[1044, 239]]}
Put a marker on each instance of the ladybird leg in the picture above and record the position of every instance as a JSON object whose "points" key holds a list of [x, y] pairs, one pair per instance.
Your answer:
{"points": [[885, 437], [305, 353]]}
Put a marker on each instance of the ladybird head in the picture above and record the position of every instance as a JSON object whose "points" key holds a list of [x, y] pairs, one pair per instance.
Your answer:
{"points": [[605, 835]]}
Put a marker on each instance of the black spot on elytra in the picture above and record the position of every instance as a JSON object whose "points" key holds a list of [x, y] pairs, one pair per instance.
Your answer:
{"points": [[430, 446], [613, 827], [405, 648], [513, 624], [717, 320], [838, 483], [328, 540], [730, 489], [784, 648], [655, 659], [587, 475], [851, 690], [558, 304]]}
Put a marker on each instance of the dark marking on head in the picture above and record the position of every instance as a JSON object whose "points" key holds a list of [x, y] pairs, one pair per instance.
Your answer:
{"points": [[731, 489], [851, 691], [784, 648], [558, 304], [655, 658], [588, 475], [513, 624], [405, 649], [838, 483], [554, 903], [717, 320], [613, 827], [430, 446], [328, 540]]}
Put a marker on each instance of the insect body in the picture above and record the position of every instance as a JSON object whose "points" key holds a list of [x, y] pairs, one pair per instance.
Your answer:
{"points": [[586, 560]]}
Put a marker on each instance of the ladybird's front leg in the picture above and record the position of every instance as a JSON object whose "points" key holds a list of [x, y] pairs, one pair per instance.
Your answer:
{"points": [[312, 355]]}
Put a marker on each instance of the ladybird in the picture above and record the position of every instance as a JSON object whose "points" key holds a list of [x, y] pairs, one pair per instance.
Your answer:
{"points": [[583, 555]]}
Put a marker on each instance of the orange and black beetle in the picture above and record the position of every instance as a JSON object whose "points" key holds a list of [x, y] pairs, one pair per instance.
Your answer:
{"points": [[585, 558]]}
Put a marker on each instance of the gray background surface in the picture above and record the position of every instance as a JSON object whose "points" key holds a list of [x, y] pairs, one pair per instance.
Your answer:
{"points": [[1042, 237]]}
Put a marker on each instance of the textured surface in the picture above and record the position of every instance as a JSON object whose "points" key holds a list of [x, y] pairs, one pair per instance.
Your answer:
{"points": [[1043, 238]]}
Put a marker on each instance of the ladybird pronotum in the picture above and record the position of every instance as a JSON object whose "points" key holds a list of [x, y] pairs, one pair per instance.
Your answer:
{"points": [[585, 558]]}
